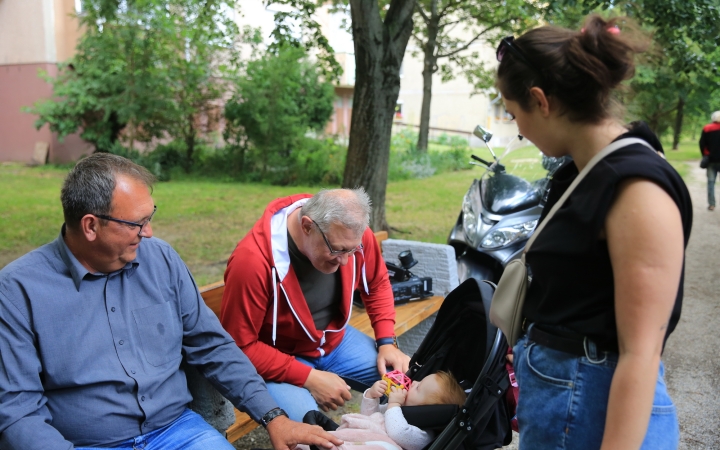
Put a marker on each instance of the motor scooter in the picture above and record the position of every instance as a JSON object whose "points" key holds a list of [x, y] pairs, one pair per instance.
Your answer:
{"points": [[500, 210]]}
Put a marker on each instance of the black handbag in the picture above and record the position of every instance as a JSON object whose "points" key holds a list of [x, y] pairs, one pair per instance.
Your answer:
{"points": [[705, 162]]}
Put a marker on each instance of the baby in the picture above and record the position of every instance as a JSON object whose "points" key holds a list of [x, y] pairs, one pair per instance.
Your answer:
{"points": [[436, 389]]}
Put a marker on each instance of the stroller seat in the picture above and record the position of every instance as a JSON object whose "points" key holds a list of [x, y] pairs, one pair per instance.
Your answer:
{"points": [[464, 342]]}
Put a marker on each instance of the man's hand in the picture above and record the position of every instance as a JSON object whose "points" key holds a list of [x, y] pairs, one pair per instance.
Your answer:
{"points": [[285, 434], [389, 355], [378, 389], [329, 390]]}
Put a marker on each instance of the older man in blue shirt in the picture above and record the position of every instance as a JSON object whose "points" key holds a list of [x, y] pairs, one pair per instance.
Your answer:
{"points": [[93, 327]]}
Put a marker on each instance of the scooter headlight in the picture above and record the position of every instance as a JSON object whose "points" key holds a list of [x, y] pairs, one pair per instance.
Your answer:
{"points": [[474, 224], [507, 235], [470, 217]]}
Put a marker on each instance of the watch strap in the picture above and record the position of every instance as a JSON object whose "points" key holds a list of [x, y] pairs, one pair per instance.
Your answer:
{"points": [[270, 415], [386, 341]]}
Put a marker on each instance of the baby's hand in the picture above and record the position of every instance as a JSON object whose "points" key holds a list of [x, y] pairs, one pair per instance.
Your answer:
{"points": [[378, 389], [397, 395]]}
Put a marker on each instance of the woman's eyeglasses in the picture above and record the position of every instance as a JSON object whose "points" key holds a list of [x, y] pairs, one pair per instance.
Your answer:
{"points": [[507, 44]]}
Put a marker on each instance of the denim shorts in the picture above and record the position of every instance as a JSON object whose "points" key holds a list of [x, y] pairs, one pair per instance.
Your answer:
{"points": [[563, 400]]}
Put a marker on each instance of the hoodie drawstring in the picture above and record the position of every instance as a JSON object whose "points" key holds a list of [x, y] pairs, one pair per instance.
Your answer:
{"points": [[275, 306], [364, 278]]}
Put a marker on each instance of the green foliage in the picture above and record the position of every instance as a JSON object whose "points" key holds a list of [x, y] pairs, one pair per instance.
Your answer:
{"points": [[144, 70], [448, 28], [316, 162], [301, 14], [163, 162], [277, 101], [449, 154], [680, 72]]}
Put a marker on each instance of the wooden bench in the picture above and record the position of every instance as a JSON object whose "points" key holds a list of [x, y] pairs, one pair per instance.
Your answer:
{"points": [[406, 316]]}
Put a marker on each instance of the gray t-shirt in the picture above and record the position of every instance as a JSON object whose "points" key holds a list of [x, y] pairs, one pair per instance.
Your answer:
{"points": [[323, 292]]}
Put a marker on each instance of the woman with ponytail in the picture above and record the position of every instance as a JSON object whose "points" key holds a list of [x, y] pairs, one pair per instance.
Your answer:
{"points": [[607, 269]]}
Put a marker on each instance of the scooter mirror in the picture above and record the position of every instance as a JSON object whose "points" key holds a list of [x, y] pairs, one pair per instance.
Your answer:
{"points": [[483, 134]]}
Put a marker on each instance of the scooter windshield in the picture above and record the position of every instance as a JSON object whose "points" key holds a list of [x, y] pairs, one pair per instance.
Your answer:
{"points": [[517, 180]]}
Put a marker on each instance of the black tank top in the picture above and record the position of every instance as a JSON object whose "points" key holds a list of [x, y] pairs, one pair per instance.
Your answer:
{"points": [[572, 282]]}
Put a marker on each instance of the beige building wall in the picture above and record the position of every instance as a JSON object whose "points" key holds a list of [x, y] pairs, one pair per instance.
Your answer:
{"points": [[27, 31], [453, 104], [34, 36]]}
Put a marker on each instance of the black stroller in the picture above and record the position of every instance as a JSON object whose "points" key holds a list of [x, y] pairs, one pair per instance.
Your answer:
{"points": [[463, 341]]}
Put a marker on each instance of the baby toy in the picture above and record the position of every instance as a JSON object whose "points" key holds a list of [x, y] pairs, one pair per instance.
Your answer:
{"points": [[396, 378]]}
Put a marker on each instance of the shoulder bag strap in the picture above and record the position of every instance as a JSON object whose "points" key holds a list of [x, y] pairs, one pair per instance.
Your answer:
{"points": [[595, 159]]}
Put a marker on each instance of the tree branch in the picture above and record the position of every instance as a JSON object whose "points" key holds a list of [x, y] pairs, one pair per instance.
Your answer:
{"points": [[448, 6], [471, 41], [422, 12]]}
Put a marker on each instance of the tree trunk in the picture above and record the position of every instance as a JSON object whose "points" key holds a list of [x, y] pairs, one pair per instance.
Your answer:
{"points": [[190, 144], [653, 123], [379, 50], [679, 113], [429, 68]]}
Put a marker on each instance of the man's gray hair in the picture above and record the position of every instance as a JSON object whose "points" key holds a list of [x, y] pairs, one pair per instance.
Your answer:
{"points": [[89, 186], [349, 208], [715, 116]]}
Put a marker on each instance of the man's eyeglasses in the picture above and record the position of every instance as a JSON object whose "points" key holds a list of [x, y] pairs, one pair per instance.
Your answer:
{"points": [[131, 224], [507, 44], [335, 252]]}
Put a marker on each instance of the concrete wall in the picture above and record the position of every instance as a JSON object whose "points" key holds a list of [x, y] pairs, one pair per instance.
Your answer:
{"points": [[27, 31], [34, 36]]}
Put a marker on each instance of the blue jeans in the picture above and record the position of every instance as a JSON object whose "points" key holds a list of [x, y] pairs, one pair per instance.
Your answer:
{"points": [[187, 432], [355, 360], [563, 400], [712, 172]]}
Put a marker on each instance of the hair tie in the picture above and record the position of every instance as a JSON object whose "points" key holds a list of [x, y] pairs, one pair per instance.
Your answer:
{"points": [[614, 29]]}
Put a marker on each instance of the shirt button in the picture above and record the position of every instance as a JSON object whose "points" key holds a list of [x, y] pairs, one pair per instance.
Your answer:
{"points": [[112, 309], [142, 398], [122, 342], [132, 371]]}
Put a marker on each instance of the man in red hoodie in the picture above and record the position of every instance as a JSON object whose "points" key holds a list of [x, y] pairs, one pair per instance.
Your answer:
{"points": [[288, 296], [710, 146]]}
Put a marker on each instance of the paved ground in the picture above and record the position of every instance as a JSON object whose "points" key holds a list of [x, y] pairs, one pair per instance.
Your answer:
{"points": [[693, 367], [693, 372]]}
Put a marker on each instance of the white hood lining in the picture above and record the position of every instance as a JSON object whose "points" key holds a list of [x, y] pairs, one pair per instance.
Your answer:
{"points": [[279, 240], [281, 267]]}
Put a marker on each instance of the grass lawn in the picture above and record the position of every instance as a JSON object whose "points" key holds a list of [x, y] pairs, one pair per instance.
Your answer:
{"points": [[204, 220]]}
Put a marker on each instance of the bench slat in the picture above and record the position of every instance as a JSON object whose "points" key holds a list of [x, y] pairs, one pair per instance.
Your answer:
{"points": [[242, 426], [406, 316]]}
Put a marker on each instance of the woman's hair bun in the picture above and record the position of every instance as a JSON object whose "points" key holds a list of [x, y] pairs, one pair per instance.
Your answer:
{"points": [[603, 52], [580, 69]]}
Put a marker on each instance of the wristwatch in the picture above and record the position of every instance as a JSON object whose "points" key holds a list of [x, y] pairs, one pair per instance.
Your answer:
{"points": [[270, 415], [386, 341]]}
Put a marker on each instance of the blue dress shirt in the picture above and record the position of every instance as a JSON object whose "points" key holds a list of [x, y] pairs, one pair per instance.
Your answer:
{"points": [[93, 359]]}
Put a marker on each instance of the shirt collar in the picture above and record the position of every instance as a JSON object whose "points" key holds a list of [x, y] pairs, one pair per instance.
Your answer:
{"points": [[77, 270]]}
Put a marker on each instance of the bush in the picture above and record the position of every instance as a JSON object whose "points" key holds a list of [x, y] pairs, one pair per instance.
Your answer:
{"points": [[319, 162], [279, 99], [406, 162], [165, 161]]}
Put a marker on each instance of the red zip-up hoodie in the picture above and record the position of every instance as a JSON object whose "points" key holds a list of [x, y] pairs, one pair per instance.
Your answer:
{"points": [[264, 309]]}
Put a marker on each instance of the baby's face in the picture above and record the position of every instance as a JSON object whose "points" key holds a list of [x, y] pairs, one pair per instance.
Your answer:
{"points": [[421, 391]]}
